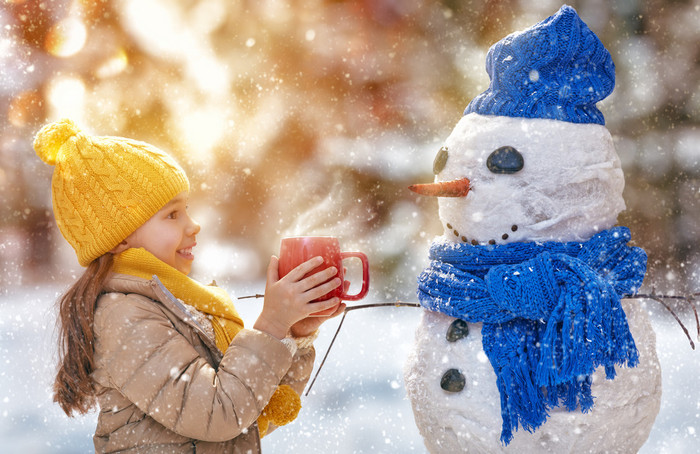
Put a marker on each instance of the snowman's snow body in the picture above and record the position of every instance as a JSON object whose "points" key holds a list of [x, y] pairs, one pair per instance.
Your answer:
{"points": [[470, 421], [569, 188]]}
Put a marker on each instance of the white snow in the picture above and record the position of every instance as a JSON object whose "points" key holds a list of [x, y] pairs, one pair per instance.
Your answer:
{"points": [[358, 403]]}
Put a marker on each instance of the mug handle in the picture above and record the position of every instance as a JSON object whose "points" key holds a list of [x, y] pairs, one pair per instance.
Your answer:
{"points": [[365, 275]]}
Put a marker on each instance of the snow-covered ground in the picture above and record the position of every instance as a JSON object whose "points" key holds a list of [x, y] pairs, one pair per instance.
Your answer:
{"points": [[357, 405]]}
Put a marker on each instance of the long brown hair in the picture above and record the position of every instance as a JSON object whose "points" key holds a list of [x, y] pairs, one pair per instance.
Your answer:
{"points": [[73, 388]]}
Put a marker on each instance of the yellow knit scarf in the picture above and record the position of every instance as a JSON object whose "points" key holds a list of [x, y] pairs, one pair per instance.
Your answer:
{"points": [[285, 403], [205, 298]]}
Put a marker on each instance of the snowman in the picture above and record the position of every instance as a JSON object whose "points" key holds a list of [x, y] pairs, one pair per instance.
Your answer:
{"points": [[526, 343]]}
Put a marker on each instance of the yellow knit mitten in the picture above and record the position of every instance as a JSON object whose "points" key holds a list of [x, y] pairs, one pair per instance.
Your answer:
{"points": [[283, 408]]}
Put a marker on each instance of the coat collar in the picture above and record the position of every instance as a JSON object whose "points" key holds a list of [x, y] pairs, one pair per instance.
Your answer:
{"points": [[155, 290]]}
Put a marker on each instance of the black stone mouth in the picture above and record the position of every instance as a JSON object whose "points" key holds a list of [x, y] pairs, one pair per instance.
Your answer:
{"points": [[475, 242]]}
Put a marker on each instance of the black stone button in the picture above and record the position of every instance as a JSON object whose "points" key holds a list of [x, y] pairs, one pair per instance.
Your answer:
{"points": [[452, 381], [459, 329]]}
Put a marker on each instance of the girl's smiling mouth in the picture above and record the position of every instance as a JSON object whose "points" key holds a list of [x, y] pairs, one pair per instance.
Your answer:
{"points": [[187, 252]]}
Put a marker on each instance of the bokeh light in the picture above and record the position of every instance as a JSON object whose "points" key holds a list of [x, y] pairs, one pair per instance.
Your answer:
{"points": [[114, 65], [66, 38], [24, 108], [66, 97]]}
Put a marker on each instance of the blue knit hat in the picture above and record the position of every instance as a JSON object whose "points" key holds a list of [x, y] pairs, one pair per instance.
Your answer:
{"points": [[556, 69]]}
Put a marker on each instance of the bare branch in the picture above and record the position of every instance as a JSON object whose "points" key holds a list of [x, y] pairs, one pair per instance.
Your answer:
{"points": [[257, 295], [690, 300], [308, 390], [345, 312], [394, 304]]}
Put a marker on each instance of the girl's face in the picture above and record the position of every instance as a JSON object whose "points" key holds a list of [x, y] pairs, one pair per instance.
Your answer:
{"points": [[169, 234]]}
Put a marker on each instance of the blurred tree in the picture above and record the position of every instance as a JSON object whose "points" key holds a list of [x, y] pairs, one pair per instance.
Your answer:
{"points": [[293, 117]]}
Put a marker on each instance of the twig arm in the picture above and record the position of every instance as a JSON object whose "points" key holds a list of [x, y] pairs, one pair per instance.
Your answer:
{"points": [[345, 312], [395, 304], [257, 295], [690, 300]]}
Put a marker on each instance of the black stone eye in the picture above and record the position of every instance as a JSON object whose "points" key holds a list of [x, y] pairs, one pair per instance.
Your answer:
{"points": [[440, 160], [505, 160]]}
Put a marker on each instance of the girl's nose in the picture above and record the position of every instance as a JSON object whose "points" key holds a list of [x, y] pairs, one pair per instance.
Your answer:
{"points": [[193, 227]]}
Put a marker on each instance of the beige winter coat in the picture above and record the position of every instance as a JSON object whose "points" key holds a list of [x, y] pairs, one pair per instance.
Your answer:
{"points": [[162, 384]]}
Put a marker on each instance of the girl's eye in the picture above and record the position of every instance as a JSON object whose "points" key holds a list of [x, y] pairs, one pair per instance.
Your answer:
{"points": [[440, 160], [172, 215], [505, 160]]}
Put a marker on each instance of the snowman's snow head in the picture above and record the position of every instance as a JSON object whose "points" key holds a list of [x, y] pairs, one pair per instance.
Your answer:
{"points": [[531, 160], [530, 180]]}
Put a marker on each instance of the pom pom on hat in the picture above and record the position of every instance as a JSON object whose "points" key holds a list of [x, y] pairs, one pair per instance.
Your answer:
{"points": [[104, 188], [50, 139], [556, 69]]}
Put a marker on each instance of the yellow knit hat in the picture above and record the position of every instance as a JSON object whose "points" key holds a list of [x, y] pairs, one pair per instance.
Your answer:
{"points": [[104, 188]]}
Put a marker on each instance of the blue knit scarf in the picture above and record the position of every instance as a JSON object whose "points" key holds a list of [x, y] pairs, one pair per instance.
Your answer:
{"points": [[551, 315]]}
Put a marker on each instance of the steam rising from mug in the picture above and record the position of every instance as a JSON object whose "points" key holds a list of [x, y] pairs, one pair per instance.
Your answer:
{"points": [[337, 214]]}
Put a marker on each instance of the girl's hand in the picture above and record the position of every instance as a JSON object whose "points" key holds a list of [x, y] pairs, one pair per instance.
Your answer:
{"points": [[286, 299], [307, 326], [310, 324]]}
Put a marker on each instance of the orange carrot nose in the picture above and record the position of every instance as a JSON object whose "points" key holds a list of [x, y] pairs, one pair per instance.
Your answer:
{"points": [[454, 188]]}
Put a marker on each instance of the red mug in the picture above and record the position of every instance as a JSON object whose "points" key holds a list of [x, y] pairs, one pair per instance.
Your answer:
{"points": [[296, 250]]}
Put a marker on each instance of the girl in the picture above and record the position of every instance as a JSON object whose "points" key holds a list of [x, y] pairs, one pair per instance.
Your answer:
{"points": [[166, 358]]}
